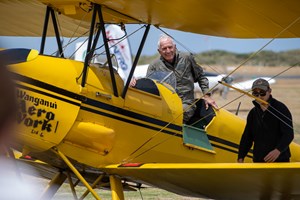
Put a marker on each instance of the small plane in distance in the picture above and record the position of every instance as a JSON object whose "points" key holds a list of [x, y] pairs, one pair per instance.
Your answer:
{"points": [[120, 49], [85, 124], [214, 79]]}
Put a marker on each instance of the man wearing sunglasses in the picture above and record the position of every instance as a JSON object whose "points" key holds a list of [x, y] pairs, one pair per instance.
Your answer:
{"points": [[269, 127]]}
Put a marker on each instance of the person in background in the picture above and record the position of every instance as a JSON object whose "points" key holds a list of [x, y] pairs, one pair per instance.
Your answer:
{"points": [[269, 127], [12, 184], [8, 106], [187, 72]]}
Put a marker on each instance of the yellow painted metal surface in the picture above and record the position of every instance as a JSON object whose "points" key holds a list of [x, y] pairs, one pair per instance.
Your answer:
{"points": [[76, 172], [92, 136], [32, 55], [95, 128], [295, 149], [45, 116], [116, 188], [220, 180], [230, 18], [90, 124], [132, 124], [98, 130], [149, 103], [223, 121], [222, 127]]}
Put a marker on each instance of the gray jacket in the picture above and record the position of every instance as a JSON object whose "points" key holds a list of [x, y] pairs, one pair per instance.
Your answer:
{"points": [[187, 72]]}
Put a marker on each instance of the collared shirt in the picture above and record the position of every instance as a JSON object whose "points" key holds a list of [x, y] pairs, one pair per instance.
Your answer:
{"points": [[269, 129]]}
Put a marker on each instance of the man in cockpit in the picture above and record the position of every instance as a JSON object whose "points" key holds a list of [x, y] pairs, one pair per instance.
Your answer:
{"points": [[187, 72]]}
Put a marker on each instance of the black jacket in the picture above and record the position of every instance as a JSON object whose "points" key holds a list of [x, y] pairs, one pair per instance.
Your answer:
{"points": [[268, 130]]}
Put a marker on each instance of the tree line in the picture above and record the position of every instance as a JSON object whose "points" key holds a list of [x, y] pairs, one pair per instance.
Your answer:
{"points": [[225, 58]]}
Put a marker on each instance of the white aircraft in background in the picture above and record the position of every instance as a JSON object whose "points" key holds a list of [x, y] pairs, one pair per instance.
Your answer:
{"points": [[246, 85], [141, 71], [213, 78], [120, 48]]}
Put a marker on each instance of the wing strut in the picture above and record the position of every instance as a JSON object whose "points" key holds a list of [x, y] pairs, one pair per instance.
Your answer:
{"points": [[105, 40], [116, 186], [136, 59], [54, 185], [86, 60], [46, 22], [90, 50], [76, 172]]}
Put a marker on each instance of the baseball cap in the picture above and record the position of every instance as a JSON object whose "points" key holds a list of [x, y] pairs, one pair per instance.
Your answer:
{"points": [[261, 84]]}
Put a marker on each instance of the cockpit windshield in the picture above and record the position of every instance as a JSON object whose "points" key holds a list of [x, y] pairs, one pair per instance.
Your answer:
{"points": [[168, 79]]}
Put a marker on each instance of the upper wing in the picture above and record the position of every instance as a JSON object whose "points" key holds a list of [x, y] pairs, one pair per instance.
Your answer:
{"points": [[220, 180], [230, 18], [26, 18]]}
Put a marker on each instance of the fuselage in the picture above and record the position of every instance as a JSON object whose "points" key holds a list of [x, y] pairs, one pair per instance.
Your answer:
{"points": [[95, 127]]}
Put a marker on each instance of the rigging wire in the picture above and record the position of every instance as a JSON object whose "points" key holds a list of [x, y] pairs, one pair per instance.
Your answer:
{"points": [[272, 106], [273, 77], [70, 41], [104, 51], [123, 38], [86, 53], [127, 36], [257, 52], [84, 41], [153, 136], [240, 65], [188, 50], [157, 144], [246, 60]]}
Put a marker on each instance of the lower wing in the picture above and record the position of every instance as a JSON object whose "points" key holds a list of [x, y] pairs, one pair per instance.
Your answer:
{"points": [[218, 180]]}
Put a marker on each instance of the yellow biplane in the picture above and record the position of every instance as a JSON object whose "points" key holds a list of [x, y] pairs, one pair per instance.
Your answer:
{"points": [[85, 122]]}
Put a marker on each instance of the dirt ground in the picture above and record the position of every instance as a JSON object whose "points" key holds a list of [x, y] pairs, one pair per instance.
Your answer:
{"points": [[286, 89]]}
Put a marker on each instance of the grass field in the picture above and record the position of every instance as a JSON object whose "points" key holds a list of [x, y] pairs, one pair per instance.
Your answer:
{"points": [[145, 194], [148, 193]]}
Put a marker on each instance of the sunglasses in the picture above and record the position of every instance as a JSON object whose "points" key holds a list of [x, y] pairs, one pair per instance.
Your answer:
{"points": [[261, 93]]}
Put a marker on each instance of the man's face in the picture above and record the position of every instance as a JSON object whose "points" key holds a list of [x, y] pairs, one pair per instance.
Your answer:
{"points": [[167, 50], [262, 94]]}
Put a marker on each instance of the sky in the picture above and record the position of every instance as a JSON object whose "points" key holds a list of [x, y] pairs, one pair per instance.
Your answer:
{"points": [[189, 42]]}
